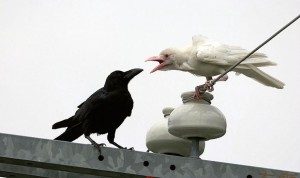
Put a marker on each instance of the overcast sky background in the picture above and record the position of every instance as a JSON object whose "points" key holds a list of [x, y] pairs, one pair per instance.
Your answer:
{"points": [[54, 54]]}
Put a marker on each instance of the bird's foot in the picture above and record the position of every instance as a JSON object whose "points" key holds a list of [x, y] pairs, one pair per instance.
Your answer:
{"points": [[125, 148], [101, 144], [197, 94], [201, 89], [208, 86], [98, 146]]}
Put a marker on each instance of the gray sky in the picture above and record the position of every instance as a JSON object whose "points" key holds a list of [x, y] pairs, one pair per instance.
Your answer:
{"points": [[54, 54]]}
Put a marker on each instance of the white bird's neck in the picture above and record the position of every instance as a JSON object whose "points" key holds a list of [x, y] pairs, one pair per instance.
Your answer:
{"points": [[183, 55]]}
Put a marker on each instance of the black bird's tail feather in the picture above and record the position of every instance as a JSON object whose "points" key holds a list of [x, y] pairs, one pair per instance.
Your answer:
{"points": [[71, 134], [63, 123]]}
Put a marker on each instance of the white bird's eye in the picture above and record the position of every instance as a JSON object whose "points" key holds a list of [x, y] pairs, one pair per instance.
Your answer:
{"points": [[166, 55]]}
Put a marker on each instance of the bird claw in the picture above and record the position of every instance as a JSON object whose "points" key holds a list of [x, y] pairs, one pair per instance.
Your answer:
{"points": [[201, 89], [131, 148], [101, 144], [197, 94], [98, 146], [208, 86]]}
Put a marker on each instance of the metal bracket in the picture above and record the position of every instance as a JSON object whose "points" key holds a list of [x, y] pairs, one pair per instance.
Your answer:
{"points": [[34, 157]]}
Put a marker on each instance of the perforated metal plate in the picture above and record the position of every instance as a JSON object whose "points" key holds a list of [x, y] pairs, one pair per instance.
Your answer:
{"points": [[34, 157]]}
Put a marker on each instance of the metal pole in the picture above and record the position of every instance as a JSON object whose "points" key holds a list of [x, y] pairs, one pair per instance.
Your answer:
{"points": [[195, 147]]}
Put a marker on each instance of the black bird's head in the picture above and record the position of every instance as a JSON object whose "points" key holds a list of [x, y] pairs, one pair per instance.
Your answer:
{"points": [[120, 79]]}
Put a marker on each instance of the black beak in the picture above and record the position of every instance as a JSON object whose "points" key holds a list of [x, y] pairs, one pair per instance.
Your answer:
{"points": [[132, 73]]}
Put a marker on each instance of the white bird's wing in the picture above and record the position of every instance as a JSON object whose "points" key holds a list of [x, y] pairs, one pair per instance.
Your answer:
{"points": [[212, 58], [212, 52], [199, 39]]}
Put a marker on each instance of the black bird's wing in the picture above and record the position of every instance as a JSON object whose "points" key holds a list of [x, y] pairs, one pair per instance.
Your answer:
{"points": [[77, 123], [71, 134], [80, 105], [97, 101], [65, 123], [104, 111]]}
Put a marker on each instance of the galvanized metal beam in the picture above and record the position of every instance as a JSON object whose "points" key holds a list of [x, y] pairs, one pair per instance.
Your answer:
{"points": [[34, 157]]}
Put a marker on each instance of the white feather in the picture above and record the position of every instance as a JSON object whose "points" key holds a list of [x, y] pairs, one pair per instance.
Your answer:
{"points": [[260, 76], [215, 53], [206, 57]]}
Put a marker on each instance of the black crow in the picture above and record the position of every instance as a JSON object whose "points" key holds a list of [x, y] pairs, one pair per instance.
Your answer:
{"points": [[103, 112]]}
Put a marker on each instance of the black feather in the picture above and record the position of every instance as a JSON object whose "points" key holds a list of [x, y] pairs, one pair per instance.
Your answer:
{"points": [[63, 123]]}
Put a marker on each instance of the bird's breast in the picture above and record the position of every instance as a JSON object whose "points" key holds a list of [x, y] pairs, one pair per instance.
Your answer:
{"points": [[205, 69]]}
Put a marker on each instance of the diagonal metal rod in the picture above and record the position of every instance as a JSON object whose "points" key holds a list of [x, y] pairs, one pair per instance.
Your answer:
{"points": [[232, 67]]}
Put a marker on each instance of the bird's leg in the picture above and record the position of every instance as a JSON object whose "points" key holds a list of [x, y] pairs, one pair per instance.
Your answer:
{"points": [[96, 145], [208, 86], [119, 146], [111, 137], [201, 89]]}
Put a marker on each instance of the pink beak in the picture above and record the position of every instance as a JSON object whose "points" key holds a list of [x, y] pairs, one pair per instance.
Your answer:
{"points": [[158, 59], [154, 58]]}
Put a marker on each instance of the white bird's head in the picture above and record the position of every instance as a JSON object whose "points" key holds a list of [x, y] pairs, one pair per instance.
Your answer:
{"points": [[168, 59]]}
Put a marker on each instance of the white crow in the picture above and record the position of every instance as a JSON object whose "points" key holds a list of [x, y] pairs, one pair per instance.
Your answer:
{"points": [[208, 58]]}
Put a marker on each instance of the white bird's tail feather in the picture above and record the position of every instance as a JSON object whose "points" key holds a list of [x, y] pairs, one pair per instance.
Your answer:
{"points": [[260, 76]]}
